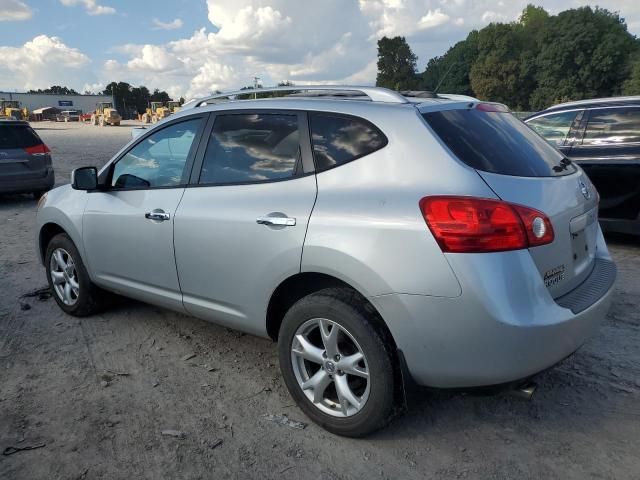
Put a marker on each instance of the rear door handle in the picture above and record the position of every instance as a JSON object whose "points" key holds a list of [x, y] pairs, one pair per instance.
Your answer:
{"points": [[157, 215], [276, 221]]}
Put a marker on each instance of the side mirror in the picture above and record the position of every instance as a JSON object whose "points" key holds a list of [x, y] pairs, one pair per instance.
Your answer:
{"points": [[84, 178]]}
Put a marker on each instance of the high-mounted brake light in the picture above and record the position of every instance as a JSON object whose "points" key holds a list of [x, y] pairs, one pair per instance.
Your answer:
{"points": [[475, 225], [40, 149], [492, 107]]}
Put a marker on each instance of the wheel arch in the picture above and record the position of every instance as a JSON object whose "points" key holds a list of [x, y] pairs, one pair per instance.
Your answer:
{"points": [[302, 284], [47, 232]]}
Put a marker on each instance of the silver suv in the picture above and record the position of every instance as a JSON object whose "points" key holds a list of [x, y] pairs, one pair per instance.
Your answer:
{"points": [[378, 238]]}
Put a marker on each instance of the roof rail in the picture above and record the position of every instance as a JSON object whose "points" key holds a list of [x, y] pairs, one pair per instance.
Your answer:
{"points": [[605, 100], [375, 94]]}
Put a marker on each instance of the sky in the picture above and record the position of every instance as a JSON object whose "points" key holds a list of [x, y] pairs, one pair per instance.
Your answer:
{"points": [[193, 47]]}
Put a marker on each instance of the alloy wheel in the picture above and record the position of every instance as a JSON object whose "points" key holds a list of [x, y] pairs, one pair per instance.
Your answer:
{"points": [[64, 277], [330, 367]]}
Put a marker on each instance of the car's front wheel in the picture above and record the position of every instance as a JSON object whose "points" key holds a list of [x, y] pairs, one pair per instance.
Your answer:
{"points": [[68, 278], [336, 363]]}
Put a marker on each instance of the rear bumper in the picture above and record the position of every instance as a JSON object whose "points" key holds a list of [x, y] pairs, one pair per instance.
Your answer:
{"points": [[28, 182], [504, 327]]}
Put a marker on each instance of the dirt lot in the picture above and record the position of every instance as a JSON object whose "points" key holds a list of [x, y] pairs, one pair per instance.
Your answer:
{"points": [[96, 394]]}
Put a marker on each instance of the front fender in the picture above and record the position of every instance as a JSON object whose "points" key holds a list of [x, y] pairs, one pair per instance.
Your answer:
{"points": [[64, 207]]}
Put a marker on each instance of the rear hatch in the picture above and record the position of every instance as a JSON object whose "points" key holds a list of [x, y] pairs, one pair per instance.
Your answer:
{"points": [[522, 168], [23, 156]]}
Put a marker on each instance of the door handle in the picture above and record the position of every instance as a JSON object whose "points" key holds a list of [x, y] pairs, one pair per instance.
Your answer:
{"points": [[157, 215], [276, 221]]}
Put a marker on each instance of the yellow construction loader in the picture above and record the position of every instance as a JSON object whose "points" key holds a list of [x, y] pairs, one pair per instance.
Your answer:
{"points": [[157, 111], [151, 115], [12, 109], [105, 114], [173, 106]]}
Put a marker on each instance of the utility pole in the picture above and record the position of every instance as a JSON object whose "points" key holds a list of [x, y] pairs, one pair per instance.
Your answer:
{"points": [[256, 81]]}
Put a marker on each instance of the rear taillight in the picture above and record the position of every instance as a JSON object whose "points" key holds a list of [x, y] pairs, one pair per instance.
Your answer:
{"points": [[475, 225], [40, 149]]}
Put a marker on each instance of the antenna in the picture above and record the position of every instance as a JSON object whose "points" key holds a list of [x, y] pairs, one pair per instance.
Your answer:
{"points": [[443, 78]]}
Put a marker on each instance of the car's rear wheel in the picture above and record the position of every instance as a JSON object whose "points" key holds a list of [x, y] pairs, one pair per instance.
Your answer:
{"points": [[336, 364], [68, 279]]}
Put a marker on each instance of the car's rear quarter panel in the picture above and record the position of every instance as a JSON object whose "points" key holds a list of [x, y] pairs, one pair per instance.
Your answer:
{"points": [[367, 228]]}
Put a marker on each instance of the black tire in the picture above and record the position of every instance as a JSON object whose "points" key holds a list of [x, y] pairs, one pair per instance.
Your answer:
{"points": [[89, 298], [38, 194], [346, 308]]}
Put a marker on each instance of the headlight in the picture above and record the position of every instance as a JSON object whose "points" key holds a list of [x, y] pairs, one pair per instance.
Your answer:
{"points": [[43, 199]]}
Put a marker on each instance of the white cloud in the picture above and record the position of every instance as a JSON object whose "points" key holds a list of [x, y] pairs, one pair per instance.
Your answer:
{"points": [[331, 41], [14, 10], [174, 25], [327, 41], [155, 59], [41, 62], [91, 6], [433, 18], [94, 88]]}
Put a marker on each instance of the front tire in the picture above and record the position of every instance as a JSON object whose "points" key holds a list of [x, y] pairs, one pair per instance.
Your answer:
{"points": [[336, 363], [68, 278]]}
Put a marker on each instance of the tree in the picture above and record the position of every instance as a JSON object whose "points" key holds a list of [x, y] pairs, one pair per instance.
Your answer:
{"points": [[160, 96], [584, 53], [396, 64], [57, 90], [631, 85], [542, 59], [502, 71], [534, 18], [138, 98], [451, 70]]}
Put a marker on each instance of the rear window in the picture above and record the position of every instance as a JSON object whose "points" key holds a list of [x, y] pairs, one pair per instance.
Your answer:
{"points": [[17, 136], [497, 142], [340, 139]]}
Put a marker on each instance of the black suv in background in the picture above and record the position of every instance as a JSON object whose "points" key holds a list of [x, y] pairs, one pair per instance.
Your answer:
{"points": [[25, 161], [603, 137]]}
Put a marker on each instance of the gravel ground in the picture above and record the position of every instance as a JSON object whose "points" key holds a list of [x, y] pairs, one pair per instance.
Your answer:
{"points": [[116, 396]]}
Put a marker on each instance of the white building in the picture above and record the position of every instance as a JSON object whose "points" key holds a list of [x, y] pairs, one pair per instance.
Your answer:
{"points": [[86, 103]]}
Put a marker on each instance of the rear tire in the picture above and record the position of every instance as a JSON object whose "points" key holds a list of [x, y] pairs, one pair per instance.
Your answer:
{"points": [[68, 279], [345, 398]]}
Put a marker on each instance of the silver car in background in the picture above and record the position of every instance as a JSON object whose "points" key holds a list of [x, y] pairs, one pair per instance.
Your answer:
{"points": [[378, 238]]}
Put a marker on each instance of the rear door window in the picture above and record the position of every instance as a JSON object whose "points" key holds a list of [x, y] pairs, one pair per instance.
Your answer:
{"points": [[497, 142], [554, 127], [254, 147], [17, 136], [613, 126], [338, 139]]}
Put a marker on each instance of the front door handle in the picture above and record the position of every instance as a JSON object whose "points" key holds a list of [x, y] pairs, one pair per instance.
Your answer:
{"points": [[276, 221], [157, 215]]}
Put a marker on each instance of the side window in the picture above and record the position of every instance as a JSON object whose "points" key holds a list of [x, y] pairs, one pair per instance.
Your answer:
{"points": [[339, 139], [612, 125], [251, 148], [555, 127], [159, 159]]}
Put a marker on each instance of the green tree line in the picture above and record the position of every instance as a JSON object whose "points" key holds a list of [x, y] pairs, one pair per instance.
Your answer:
{"points": [[126, 96], [530, 64]]}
